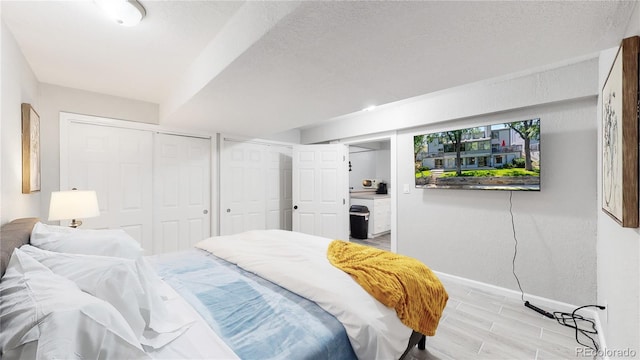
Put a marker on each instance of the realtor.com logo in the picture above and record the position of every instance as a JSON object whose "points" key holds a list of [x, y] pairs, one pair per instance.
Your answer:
{"points": [[602, 353]]}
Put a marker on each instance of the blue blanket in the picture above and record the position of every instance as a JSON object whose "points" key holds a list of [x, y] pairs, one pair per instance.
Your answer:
{"points": [[256, 318]]}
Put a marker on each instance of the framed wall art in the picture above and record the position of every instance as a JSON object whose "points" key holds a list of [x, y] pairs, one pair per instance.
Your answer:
{"points": [[620, 136], [30, 150]]}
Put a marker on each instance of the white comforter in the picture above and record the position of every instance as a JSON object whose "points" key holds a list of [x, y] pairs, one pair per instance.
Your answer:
{"points": [[298, 262]]}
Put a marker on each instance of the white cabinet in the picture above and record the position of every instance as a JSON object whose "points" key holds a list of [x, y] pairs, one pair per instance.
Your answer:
{"points": [[381, 216], [380, 212]]}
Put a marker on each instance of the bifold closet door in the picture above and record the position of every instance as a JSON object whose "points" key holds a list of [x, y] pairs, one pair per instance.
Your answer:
{"points": [[117, 164], [242, 187], [157, 187], [182, 191], [278, 191], [255, 186]]}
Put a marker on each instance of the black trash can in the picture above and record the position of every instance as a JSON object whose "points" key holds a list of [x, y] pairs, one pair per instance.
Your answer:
{"points": [[359, 221]]}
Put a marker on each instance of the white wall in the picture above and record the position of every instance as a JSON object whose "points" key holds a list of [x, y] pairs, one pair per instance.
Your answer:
{"points": [[290, 136], [536, 86], [55, 99], [363, 166], [618, 250], [367, 163], [468, 233], [383, 166], [19, 85]]}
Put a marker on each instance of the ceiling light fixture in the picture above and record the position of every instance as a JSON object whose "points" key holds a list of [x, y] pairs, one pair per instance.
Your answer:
{"points": [[124, 12]]}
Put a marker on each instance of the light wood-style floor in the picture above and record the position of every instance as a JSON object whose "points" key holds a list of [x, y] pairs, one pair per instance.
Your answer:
{"points": [[381, 242], [477, 324]]}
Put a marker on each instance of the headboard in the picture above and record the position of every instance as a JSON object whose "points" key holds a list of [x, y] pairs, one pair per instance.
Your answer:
{"points": [[13, 235]]}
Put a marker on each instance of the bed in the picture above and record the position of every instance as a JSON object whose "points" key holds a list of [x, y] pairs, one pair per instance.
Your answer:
{"points": [[254, 303]]}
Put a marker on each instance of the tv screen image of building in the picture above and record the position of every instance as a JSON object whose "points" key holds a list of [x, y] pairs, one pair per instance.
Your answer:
{"points": [[501, 156]]}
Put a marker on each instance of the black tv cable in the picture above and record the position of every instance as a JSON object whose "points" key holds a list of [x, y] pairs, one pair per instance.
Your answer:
{"points": [[583, 326]]}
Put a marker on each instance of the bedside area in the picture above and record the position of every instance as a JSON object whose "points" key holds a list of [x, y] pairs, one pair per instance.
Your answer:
{"points": [[379, 208]]}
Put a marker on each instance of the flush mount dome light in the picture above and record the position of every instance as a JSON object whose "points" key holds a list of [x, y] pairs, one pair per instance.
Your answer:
{"points": [[123, 12]]}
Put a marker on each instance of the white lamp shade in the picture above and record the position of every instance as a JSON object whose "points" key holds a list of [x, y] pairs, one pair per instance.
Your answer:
{"points": [[74, 204]]}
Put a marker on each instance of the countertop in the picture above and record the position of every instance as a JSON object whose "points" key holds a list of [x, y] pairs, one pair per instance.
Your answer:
{"points": [[368, 195]]}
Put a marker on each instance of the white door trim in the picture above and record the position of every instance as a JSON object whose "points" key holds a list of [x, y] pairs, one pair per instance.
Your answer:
{"points": [[392, 137], [126, 124], [227, 137]]}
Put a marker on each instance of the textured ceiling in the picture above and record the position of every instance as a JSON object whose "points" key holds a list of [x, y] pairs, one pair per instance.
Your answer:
{"points": [[73, 44], [257, 68]]}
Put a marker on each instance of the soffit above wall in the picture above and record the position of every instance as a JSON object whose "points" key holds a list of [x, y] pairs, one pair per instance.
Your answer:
{"points": [[258, 68]]}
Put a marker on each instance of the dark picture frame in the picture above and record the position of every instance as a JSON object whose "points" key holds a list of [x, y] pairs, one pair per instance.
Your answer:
{"points": [[30, 150], [620, 136]]}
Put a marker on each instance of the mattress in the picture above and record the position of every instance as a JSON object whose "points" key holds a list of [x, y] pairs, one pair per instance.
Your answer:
{"points": [[298, 262], [257, 319]]}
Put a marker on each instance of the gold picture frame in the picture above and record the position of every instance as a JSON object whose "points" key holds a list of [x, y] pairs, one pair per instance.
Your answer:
{"points": [[620, 136], [30, 150]]}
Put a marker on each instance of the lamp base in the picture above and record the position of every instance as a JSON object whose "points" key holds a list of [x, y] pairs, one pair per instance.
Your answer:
{"points": [[75, 223]]}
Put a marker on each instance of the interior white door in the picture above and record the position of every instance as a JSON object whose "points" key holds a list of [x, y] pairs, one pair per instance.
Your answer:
{"points": [[116, 163], [255, 186], [182, 191], [242, 187], [278, 191], [320, 190]]}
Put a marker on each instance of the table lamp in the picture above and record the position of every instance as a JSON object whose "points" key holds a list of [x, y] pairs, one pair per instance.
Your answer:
{"points": [[73, 205]]}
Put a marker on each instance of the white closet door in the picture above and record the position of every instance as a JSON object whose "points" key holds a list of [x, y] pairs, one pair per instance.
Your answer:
{"points": [[243, 185], [116, 163], [255, 186], [278, 192], [182, 192]]}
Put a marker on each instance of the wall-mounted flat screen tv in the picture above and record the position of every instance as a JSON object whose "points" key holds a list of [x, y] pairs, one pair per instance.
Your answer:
{"points": [[503, 156]]}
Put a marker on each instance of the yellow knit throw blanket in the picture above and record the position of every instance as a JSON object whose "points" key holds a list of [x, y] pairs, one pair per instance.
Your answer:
{"points": [[397, 281]]}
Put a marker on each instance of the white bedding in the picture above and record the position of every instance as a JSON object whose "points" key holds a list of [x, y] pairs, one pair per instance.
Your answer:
{"points": [[199, 342], [48, 315], [298, 262]]}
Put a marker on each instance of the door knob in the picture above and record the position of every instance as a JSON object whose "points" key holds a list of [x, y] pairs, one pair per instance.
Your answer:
{"points": [[205, 212], [295, 207], [228, 210]]}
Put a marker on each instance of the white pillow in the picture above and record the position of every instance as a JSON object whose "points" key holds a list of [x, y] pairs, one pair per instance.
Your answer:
{"points": [[105, 242], [111, 279], [47, 315], [124, 285]]}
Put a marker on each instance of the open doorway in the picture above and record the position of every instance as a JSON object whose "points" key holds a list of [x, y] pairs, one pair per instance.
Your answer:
{"points": [[370, 188]]}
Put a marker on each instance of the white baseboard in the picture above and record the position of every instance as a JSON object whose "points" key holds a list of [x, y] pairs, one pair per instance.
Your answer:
{"points": [[538, 301]]}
